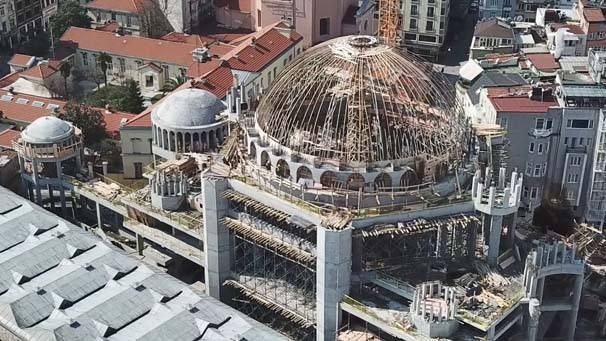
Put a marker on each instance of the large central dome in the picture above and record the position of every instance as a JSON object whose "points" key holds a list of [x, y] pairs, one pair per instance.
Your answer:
{"points": [[359, 102]]}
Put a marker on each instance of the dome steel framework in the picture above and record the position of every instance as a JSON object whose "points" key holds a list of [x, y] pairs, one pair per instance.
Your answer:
{"points": [[359, 102]]}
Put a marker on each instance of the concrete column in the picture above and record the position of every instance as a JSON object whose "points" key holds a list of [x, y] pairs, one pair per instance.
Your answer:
{"points": [[574, 312], [140, 244], [61, 189], [98, 209], [36, 183], [90, 168], [534, 319], [216, 237], [496, 224], [51, 198], [105, 163], [333, 279]]}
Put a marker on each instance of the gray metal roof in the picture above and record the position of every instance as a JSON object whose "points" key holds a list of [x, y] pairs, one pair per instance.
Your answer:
{"points": [[580, 91], [58, 282], [491, 79]]}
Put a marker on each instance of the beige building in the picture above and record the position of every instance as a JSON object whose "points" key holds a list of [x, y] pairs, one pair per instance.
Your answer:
{"points": [[252, 65], [315, 20], [424, 26]]}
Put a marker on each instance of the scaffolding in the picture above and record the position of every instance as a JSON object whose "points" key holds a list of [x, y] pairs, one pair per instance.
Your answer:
{"points": [[388, 21]]}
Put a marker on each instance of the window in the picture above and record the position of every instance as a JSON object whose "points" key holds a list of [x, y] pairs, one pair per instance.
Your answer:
{"points": [[182, 72], [570, 196], [149, 81], [539, 124], [324, 26], [84, 58], [128, 21], [113, 16], [502, 121], [581, 141], [442, 10], [580, 124], [540, 148], [165, 70], [259, 18], [573, 142], [525, 193], [275, 72], [410, 36], [531, 147], [528, 168], [572, 178], [414, 10], [576, 160], [566, 141], [122, 64], [534, 192], [413, 24], [441, 25], [429, 26], [431, 39], [537, 170], [430, 12]]}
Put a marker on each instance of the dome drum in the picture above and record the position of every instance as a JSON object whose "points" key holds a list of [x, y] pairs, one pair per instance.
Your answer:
{"points": [[49, 138], [188, 121], [354, 104]]}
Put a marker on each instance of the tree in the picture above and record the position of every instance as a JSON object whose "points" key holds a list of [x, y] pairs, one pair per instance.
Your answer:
{"points": [[173, 83], [66, 70], [132, 101], [125, 97], [70, 13], [104, 61], [37, 46], [89, 120]]}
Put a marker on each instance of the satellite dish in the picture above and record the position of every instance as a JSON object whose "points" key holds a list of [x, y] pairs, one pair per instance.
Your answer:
{"points": [[519, 18]]}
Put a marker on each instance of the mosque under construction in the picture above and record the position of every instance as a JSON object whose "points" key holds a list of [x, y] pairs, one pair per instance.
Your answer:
{"points": [[351, 201]]}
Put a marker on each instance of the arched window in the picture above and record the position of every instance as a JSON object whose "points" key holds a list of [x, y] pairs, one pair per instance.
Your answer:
{"points": [[304, 173], [409, 178], [328, 179], [383, 180], [355, 182], [282, 169], [265, 161]]}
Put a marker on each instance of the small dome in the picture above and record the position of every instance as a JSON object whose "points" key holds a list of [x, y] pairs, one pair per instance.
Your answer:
{"points": [[188, 108], [47, 129]]}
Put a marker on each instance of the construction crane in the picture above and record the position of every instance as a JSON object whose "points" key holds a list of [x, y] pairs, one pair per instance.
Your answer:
{"points": [[388, 21]]}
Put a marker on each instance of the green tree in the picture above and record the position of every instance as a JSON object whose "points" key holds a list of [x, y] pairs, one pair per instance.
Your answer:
{"points": [[173, 83], [125, 97], [70, 13], [104, 61], [37, 46], [66, 71], [132, 101], [89, 120]]}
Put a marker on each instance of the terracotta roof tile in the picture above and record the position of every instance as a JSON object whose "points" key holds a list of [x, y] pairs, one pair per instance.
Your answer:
{"points": [[521, 104], [9, 79], [130, 46], [593, 14], [126, 6], [192, 39], [268, 45], [42, 71], [7, 136], [576, 29], [493, 28], [20, 60], [217, 81], [37, 107], [543, 61]]}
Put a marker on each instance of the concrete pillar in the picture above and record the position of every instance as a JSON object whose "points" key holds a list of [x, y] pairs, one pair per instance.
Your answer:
{"points": [[105, 163], [496, 224], [534, 319], [98, 209], [36, 183], [90, 169], [333, 278], [574, 312], [51, 198], [140, 244], [216, 236], [61, 189]]}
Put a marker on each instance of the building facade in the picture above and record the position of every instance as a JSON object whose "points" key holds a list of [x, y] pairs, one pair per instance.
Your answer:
{"points": [[424, 26], [492, 36], [497, 8]]}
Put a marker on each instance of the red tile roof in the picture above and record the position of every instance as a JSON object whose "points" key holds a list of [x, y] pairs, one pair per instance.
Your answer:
{"points": [[111, 26], [521, 104], [217, 81], [543, 61], [37, 107], [126, 6], [493, 28], [20, 60], [576, 29], [129, 46], [7, 136], [261, 48], [235, 5], [593, 14], [9, 79], [42, 71], [192, 39]]}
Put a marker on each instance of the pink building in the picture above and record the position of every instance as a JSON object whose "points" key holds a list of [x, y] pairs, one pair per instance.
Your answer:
{"points": [[316, 20]]}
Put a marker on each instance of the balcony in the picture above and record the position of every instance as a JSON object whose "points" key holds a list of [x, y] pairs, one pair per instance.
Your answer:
{"points": [[576, 149], [541, 132]]}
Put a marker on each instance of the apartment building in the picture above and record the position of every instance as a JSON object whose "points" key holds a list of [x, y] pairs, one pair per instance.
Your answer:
{"points": [[424, 26], [315, 20], [21, 20], [593, 23], [136, 17], [492, 36], [497, 8]]}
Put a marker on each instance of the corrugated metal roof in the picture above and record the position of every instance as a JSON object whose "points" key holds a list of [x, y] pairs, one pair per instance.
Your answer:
{"points": [[58, 282]]}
